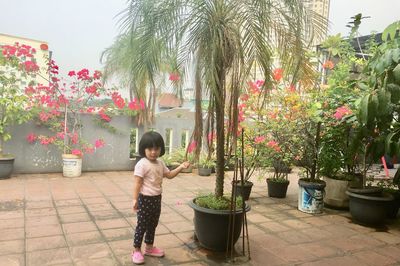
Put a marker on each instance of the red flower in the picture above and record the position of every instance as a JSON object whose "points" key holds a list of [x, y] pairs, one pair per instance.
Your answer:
{"points": [[105, 117], [77, 152], [97, 74], [259, 139], [328, 64], [99, 143], [71, 73], [277, 74], [174, 77], [118, 100], [342, 111], [44, 47], [192, 146], [31, 138]]}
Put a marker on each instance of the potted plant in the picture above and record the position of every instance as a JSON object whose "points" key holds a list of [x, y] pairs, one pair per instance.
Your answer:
{"points": [[61, 106], [205, 165], [378, 126], [224, 55], [17, 67]]}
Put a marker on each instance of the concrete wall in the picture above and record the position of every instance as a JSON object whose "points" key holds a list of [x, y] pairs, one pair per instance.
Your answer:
{"points": [[114, 156]]}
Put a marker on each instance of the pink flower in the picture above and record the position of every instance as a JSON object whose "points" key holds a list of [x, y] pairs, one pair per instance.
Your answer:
{"points": [[118, 100], [105, 117], [60, 135], [192, 146], [259, 139], [244, 97], [97, 74], [89, 150], [342, 111], [31, 138], [211, 136], [142, 106], [274, 145], [71, 73], [99, 143], [77, 152], [174, 77]]}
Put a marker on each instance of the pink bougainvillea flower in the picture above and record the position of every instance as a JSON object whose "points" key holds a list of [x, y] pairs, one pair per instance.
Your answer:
{"points": [[105, 117], [192, 146], [132, 105], [77, 152], [91, 89], [174, 77], [83, 74], [277, 74], [142, 106], [90, 109], [60, 135], [29, 90], [89, 150], [118, 100], [211, 136], [292, 88], [97, 74], [74, 138], [99, 143], [342, 111], [259, 139], [244, 97], [31, 138], [43, 116], [328, 64], [274, 145], [30, 66]]}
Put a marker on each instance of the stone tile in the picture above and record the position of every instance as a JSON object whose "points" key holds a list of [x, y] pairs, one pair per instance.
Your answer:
{"points": [[118, 234], [177, 227], [12, 214], [12, 247], [292, 254], [12, 234], [112, 223], [49, 257], [39, 204], [48, 242], [179, 255], [171, 217], [96, 262], [316, 234], [168, 241], [121, 205], [87, 253], [371, 257], [40, 221], [339, 231], [70, 228], [296, 224], [11, 223], [266, 241], [386, 237], [94, 200], [348, 260], [71, 209], [316, 221], [68, 203], [121, 247], [257, 218], [320, 250], [105, 215], [99, 207], [43, 230], [40, 212], [294, 237], [299, 214], [12, 260], [84, 238], [74, 217], [274, 227], [160, 230], [389, 251], [355, 243]]}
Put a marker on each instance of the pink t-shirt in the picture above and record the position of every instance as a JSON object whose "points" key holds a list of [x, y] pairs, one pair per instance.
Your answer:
{"points": [[152, 174]]}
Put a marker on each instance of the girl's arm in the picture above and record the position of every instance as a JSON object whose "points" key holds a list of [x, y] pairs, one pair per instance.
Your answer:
{"points": [[137, 184], [171, 174]]}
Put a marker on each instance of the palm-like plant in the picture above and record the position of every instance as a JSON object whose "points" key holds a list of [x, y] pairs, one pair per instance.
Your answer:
{"points": [[223, 40]]}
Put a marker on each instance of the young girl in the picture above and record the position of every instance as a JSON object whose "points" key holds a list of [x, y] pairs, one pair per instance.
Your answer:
{"points": [[149, 173]]}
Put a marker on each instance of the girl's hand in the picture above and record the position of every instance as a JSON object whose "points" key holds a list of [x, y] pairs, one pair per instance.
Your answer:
{"points": [[185, 165], [135, 205]]}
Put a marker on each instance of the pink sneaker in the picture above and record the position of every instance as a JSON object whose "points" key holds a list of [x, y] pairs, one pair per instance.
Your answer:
{"points": [[137, 257], [154, 252]]}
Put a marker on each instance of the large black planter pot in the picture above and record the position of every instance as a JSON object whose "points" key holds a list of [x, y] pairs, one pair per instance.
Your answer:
{"points": [[244, 190], [204, 171], [367, 209], [6, 167], [277, 189], [211, 226], [393, 206]]}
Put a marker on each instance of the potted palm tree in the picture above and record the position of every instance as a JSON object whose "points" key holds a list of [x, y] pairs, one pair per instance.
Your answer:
{"points": [[224, 52], [17, 66]]}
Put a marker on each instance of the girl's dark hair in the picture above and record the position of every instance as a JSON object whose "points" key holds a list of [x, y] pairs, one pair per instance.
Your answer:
{"points": [[149, 140]]}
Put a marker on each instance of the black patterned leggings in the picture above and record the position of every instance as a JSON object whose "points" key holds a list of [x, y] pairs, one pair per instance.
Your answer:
{"points": [[149, 210]]}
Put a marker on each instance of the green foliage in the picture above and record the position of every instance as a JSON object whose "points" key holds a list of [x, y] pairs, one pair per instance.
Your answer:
{"points": [[217, 203], [13, 102], [206, 162]]}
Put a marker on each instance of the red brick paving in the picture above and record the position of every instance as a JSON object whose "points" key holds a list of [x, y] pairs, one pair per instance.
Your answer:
{"points": [[51, 220]]}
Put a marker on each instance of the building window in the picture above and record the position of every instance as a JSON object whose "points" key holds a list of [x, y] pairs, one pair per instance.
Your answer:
{"points": [[134, 143], [185, 139], [168, 140]]}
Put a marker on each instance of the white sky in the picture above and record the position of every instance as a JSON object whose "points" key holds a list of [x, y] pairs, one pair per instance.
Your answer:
{"points": [[78, 31]]}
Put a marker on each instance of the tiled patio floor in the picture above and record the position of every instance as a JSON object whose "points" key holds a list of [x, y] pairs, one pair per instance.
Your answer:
{"points": [[50, 220]]}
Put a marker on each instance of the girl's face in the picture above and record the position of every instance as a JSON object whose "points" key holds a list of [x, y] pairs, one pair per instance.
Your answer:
{"points": [[152, 153]]}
